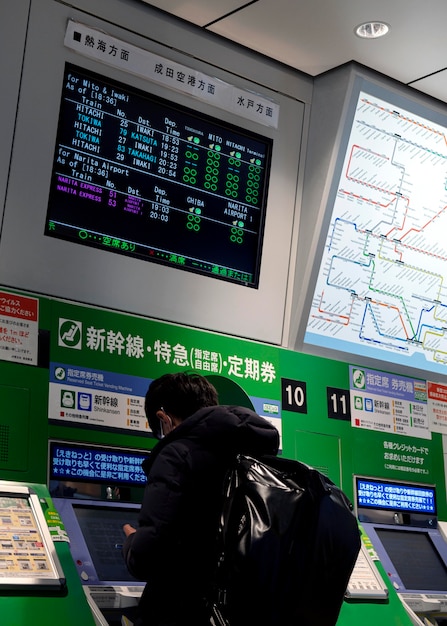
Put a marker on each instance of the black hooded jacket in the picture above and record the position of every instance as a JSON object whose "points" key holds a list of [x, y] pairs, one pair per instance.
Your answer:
{"points": [[174, 548]]}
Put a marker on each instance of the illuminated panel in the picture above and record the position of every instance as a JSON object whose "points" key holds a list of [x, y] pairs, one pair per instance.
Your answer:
{"points": [[138, 175], [399, 497], [381, 288], [93, 464]]}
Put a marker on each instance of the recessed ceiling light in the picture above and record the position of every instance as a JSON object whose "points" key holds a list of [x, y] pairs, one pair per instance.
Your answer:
{"points": [[371, 30]]}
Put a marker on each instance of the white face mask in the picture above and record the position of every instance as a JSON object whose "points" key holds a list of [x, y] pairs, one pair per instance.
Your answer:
{"points": [[166, 425]]}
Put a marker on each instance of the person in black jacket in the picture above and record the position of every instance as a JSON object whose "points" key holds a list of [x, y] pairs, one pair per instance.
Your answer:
{"points": [[174, 548]]}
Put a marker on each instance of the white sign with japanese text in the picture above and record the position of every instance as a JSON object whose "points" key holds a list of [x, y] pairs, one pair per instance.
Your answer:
{"points": [[19, 328], [107, 49], [388, 403], [437, 407], [97, 398]]}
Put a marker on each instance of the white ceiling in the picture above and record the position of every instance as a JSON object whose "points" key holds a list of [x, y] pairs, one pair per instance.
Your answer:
{"points": [[314, 36]]}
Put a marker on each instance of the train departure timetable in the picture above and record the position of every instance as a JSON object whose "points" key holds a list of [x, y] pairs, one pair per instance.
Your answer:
{"points": [[141, 176]]}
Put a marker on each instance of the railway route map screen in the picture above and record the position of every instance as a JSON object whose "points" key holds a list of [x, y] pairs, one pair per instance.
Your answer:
{"points": [[381, 288]]}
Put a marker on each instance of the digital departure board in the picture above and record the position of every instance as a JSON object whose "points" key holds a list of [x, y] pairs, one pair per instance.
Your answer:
{"points": [[144, 177]]}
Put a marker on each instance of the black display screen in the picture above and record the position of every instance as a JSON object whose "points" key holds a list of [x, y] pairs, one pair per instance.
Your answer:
{"points": [[102, 529], [138, 175], [415, 558]]}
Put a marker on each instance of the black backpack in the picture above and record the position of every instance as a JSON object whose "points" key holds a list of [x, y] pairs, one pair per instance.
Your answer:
{"points": [[288, 544]]}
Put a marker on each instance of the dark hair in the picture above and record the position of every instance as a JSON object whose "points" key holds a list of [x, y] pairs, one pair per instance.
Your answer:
{"points": [[180, 394]]}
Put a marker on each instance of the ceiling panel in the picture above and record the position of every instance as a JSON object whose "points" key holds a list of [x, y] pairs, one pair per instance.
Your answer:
{"points": [[317, 35], [320, 35], [435, 86], [199, 12]]}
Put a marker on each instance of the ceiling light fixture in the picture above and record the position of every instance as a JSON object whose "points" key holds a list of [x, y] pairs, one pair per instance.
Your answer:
{"points": [[371, 30]]}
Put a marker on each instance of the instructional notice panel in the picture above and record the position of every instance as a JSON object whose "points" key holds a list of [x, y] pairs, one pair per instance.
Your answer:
{"points": [[27, 555], [23, 552]]}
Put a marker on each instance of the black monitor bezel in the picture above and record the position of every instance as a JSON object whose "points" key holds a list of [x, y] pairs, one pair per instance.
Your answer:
{"points": [[191, 114]]}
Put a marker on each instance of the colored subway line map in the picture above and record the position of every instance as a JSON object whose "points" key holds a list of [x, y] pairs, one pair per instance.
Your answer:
{"points": [[382, 279]]}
